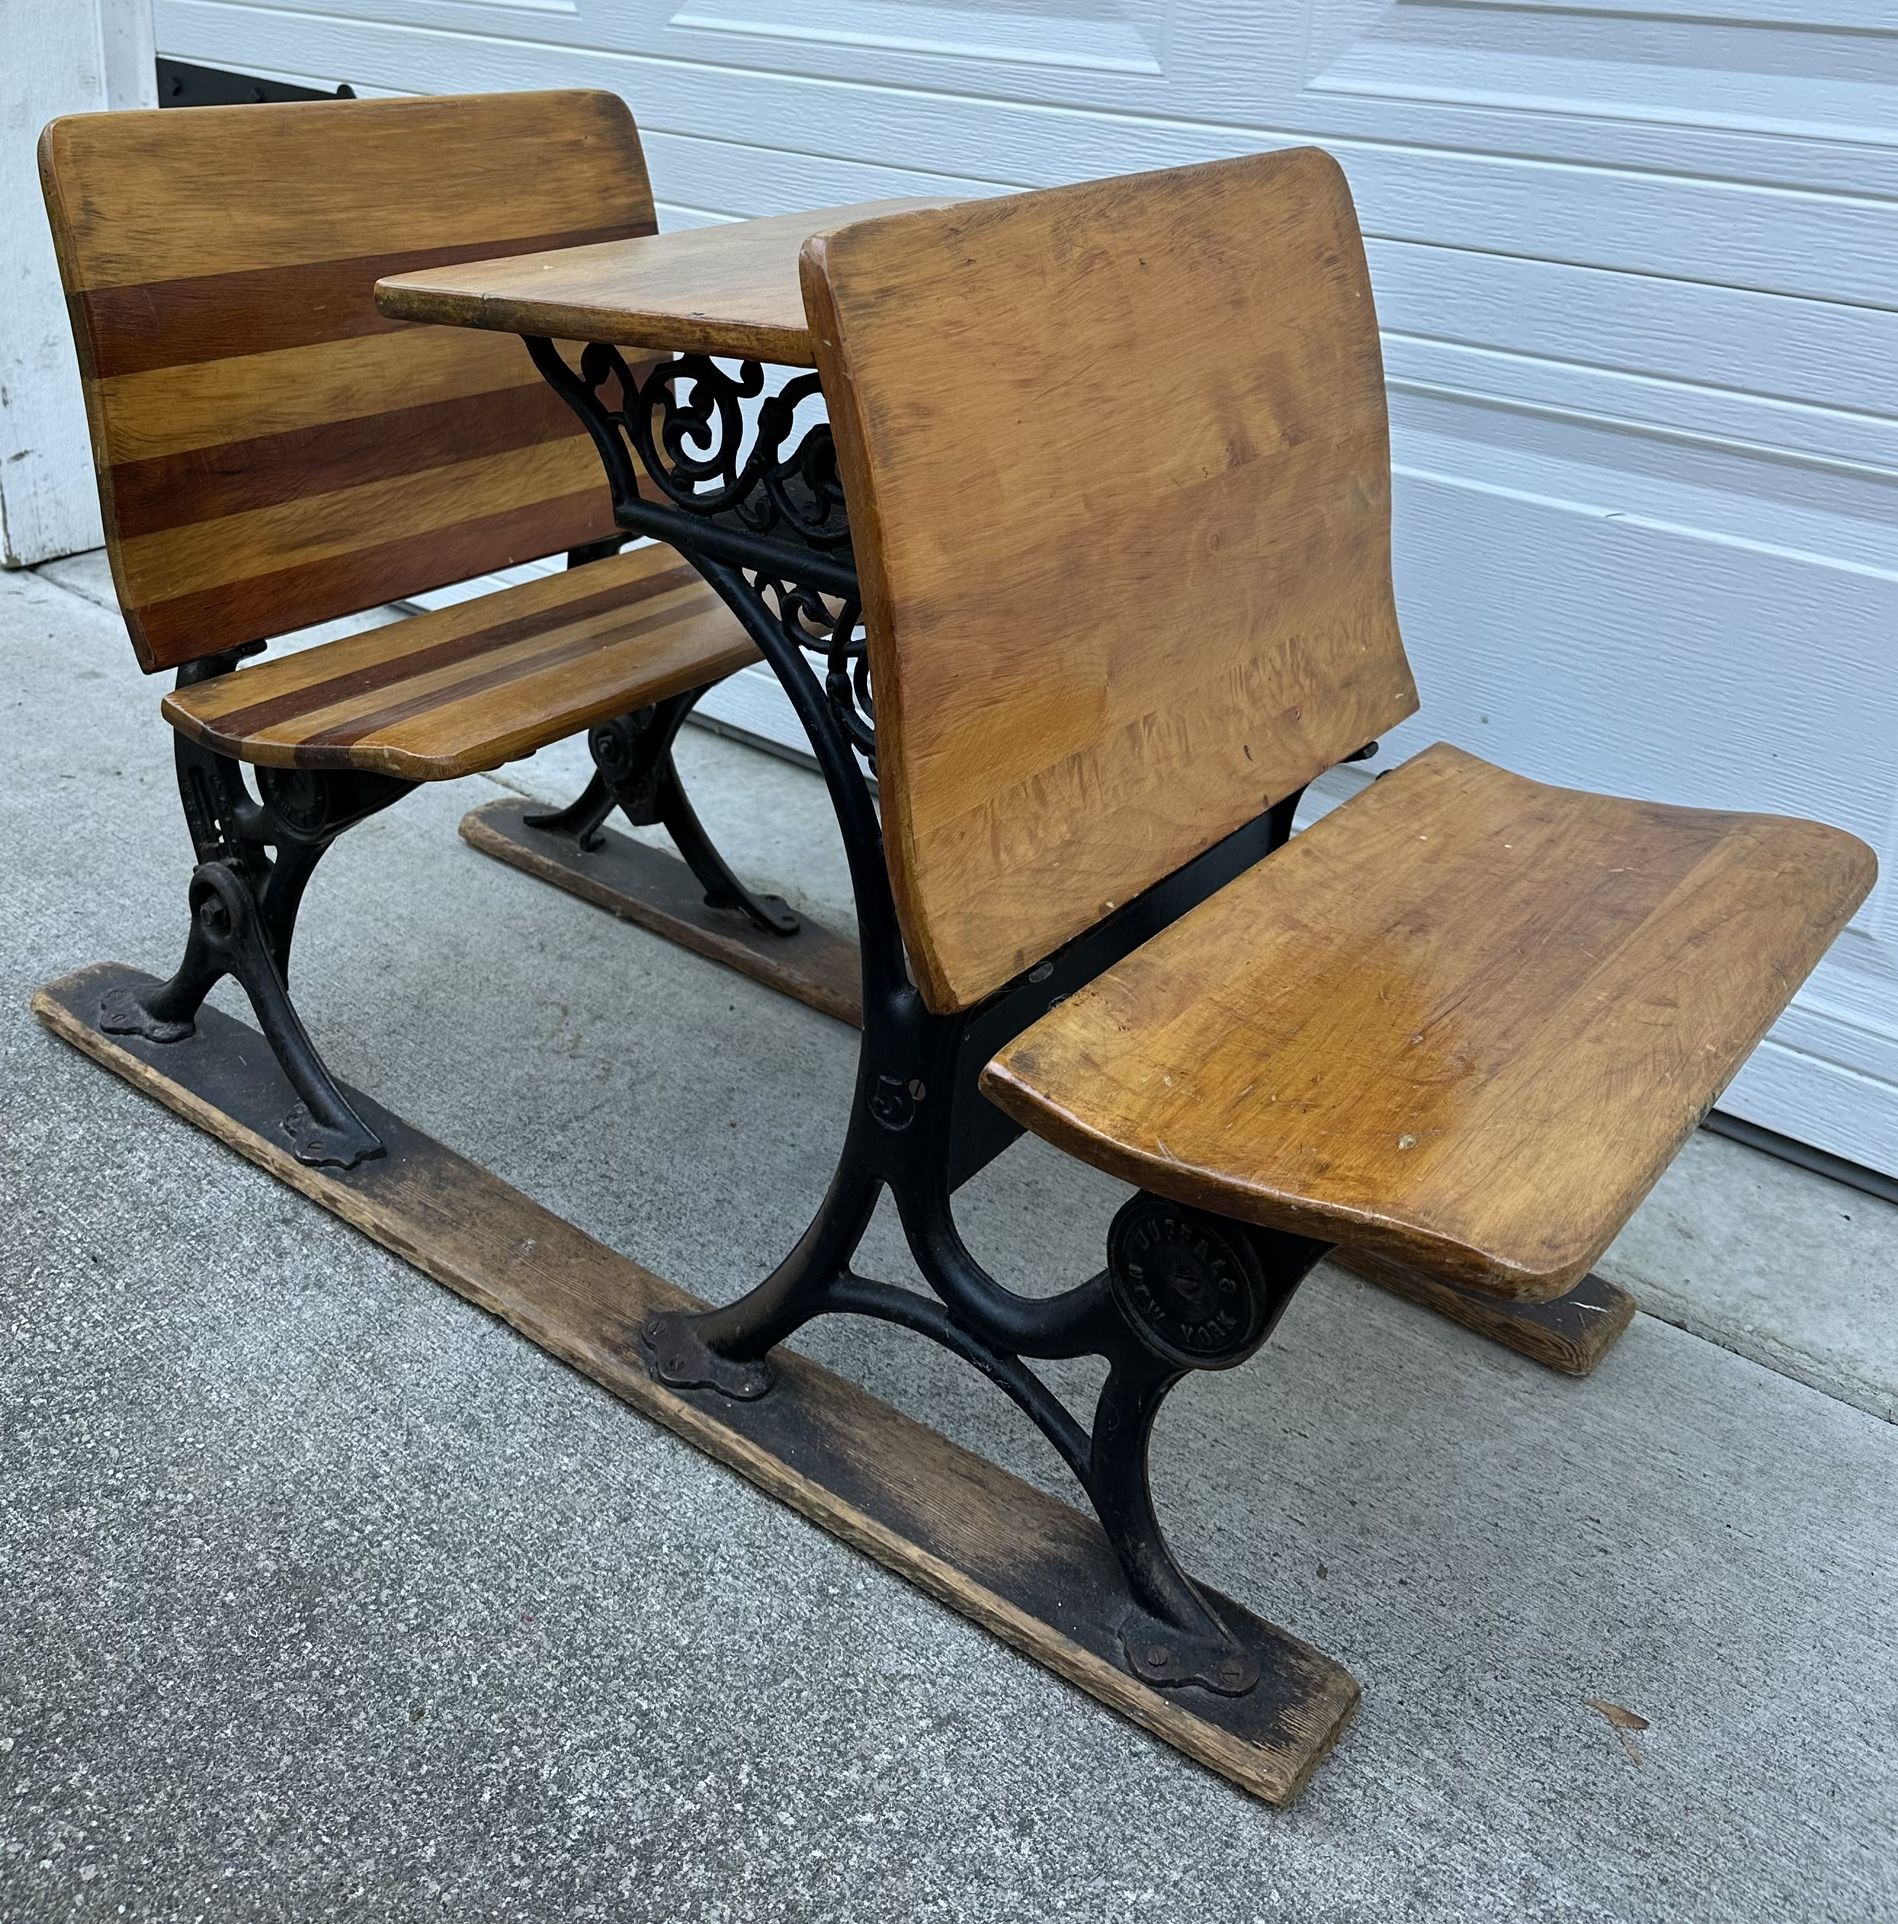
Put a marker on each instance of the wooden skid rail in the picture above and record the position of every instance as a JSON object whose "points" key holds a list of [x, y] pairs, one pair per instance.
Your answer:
{"points": [[1031, 1569], [1570, 1334], [639, 884], [818, 967]]}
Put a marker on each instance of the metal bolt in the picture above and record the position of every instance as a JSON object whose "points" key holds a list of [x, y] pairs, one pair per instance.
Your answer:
{"points": [[1232, 1671], [1158, 1656]]}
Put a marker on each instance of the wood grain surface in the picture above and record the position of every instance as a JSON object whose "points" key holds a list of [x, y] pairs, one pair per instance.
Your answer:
{"points": [[731, 288], [1035, 1572], [272, 452], [1119, 480], [480, 683], [1465, 1020], [1570, 1333]]}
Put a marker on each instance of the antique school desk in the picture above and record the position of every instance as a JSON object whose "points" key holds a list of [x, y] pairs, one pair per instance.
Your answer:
{"points": [[1094, 630]]}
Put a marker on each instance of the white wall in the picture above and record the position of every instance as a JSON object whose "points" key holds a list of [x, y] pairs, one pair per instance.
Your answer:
{"points": [[1634, 260], [56, 57]]}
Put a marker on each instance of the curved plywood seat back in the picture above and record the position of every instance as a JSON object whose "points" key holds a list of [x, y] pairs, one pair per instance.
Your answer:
{"points": [[271, 451], [1120, 483]]}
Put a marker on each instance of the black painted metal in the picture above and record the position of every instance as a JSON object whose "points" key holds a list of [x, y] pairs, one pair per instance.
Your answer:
{"points": [[183, 84], [980, 1131], [762, 498], [763, 520], [255, 856], [633, 770]]}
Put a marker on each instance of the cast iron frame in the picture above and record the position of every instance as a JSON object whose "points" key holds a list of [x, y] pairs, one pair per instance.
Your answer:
{"points": [[255, 856], [761, 515], [256, 852]]}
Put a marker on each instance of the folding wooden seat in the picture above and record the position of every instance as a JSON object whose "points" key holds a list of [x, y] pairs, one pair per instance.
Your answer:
{"points": [[1117, 464], [1467, 1019], [273, 454]]}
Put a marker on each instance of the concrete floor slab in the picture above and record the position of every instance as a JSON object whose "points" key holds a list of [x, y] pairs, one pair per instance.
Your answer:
{"points": [[323, 1594]]}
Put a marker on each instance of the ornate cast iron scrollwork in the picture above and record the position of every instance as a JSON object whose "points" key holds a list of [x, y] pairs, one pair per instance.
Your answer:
{"points": [[830, 625], [771, 482], [685, 421]]}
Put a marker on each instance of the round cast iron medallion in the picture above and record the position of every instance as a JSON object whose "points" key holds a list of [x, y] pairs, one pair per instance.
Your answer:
{"points": [[1189, 1282]]}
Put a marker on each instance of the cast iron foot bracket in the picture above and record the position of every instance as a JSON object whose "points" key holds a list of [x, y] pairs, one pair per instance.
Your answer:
{"points": [[679, 1356], [121, 1012], [229, 937], [1167, 1657]]}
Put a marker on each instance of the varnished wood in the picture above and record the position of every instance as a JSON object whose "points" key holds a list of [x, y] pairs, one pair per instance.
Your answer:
{"points": [[486, 681], [657, 891], [1026, 1567], [731, 288], [272, 452], [1120, 493], [1465, 1020], [1570, 1333], [819, 968]]}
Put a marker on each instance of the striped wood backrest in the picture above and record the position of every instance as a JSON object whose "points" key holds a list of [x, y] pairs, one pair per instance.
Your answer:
{"points": [[271, 452], [1119, 483]]}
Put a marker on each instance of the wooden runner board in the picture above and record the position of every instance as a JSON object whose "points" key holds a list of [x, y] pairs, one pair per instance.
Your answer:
{"points": [[1571, 1334], [818, 967], [639, 884], [1031, 1569]]}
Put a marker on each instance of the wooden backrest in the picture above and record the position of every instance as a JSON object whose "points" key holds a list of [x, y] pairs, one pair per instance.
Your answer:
{"points": [[1119, 479], [271, 452]]}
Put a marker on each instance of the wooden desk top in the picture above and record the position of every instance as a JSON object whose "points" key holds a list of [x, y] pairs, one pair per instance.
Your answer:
{"points": [[729, 289]]}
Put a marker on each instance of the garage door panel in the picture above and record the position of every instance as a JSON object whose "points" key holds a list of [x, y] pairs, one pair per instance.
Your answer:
{"points": [[722, 177], [1832, 79], [1620, 457], [1231, 102], [1635, 635], [1815, 353]]}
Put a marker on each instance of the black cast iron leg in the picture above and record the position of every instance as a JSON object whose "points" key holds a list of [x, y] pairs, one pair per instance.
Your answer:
{"points": [[1194, 1291], [633, 770], [726, 1349], [770, 914], [1172, 1635], [582, 818], [324, 1130], [230, 935], [282, 896]]}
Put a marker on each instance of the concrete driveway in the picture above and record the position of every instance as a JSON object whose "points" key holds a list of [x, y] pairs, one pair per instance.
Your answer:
{"points": [[324, 1595]]}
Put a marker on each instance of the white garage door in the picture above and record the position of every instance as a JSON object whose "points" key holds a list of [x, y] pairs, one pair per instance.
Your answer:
{"points": [[1635, 260]]}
